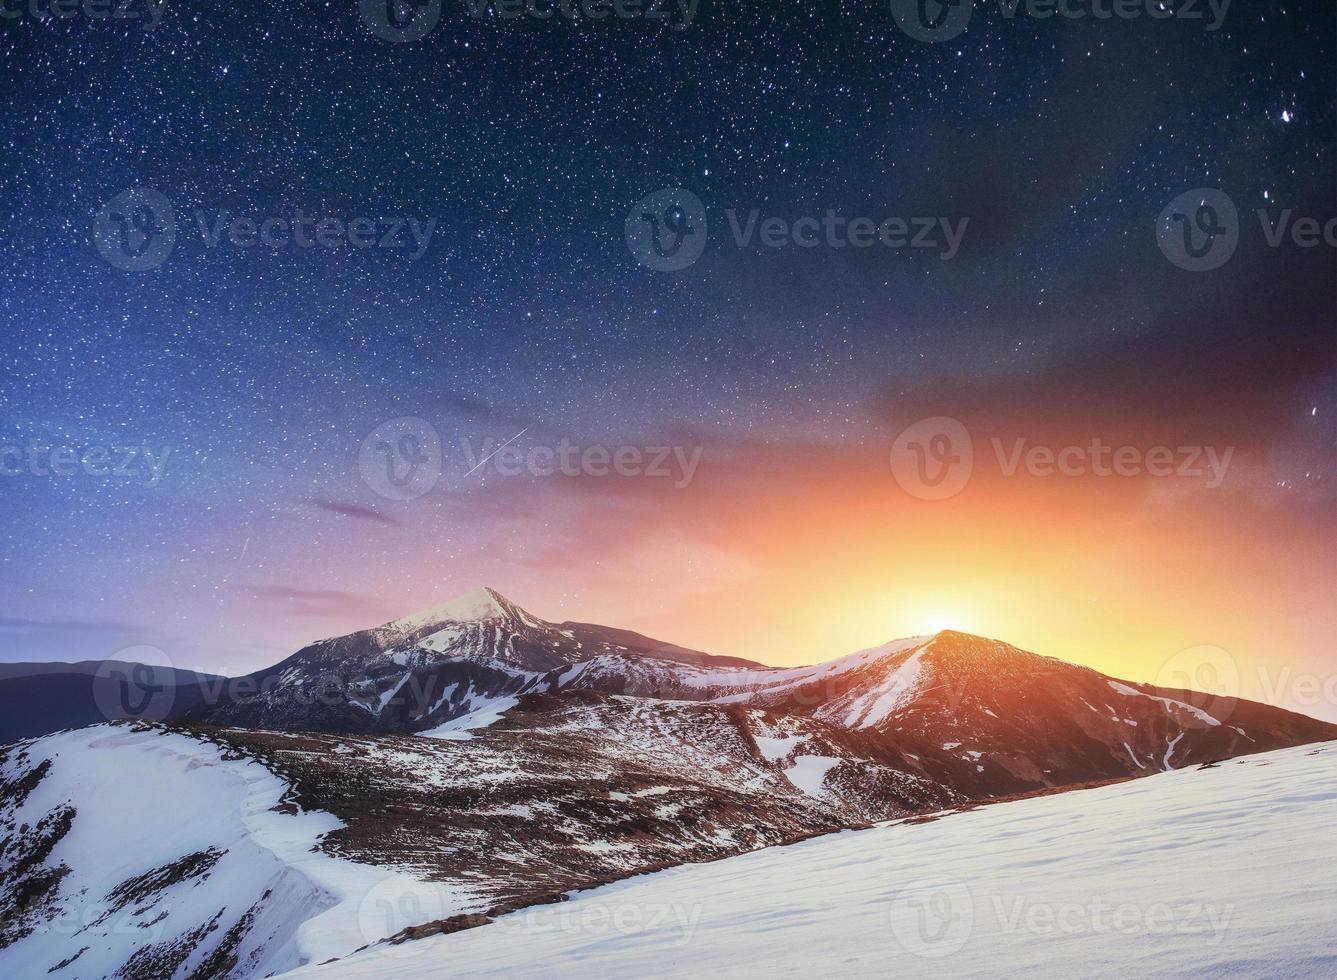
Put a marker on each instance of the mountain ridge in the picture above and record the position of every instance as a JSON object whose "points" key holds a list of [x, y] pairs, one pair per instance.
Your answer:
{"points": [[979, 715]]}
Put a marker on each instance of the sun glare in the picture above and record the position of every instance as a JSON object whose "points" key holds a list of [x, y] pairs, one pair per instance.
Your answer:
{"points": [[937, 620]]}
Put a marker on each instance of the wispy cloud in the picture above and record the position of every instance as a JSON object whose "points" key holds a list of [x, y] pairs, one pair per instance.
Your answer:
{"points": [[20, 624], [323, 602], [357, 511]]}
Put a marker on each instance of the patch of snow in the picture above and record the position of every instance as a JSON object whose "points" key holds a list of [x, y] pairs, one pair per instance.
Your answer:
{"points": [[515, 810], [895, 689], [1170, 749], [389, 694], [1168, 702], [809, 771], [775, 749], [461, 729]]}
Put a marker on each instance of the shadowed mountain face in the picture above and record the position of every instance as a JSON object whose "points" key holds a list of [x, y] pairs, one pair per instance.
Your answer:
{"points": [[37, 699]]}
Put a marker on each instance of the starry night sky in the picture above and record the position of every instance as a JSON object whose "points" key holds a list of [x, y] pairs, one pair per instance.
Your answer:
{"points": [[529, 141]]}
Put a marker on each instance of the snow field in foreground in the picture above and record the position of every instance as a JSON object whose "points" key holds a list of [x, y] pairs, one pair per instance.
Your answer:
{"points": [[145, 799], [1201, 873]]}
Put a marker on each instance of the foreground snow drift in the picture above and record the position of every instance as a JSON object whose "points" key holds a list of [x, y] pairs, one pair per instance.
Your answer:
{"points": [[1209, 872], [143, 853]]}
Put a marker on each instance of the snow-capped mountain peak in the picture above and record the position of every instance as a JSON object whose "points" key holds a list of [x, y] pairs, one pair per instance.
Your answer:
{"points": [[482, 605]]}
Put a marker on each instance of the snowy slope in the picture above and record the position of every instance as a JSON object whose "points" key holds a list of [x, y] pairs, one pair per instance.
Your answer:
{"points": [[1210, 872], [144, 853]]}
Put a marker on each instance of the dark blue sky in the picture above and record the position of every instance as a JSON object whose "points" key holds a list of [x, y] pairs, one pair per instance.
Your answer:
{"points": [[259, 371]]}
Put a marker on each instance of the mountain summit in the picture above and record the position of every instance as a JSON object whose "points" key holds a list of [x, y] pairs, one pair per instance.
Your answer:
{"points": [[439, 663], [481, 605]]}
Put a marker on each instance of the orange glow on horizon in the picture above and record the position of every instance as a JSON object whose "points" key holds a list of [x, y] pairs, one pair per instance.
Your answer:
{"points": [[794, 557]]}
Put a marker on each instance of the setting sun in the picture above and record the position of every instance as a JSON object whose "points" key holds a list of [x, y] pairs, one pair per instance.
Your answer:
{"points": [[937, 619]]}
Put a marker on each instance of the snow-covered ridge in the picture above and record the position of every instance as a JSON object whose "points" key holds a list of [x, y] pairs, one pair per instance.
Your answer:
{"points": [[174, 856]]}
